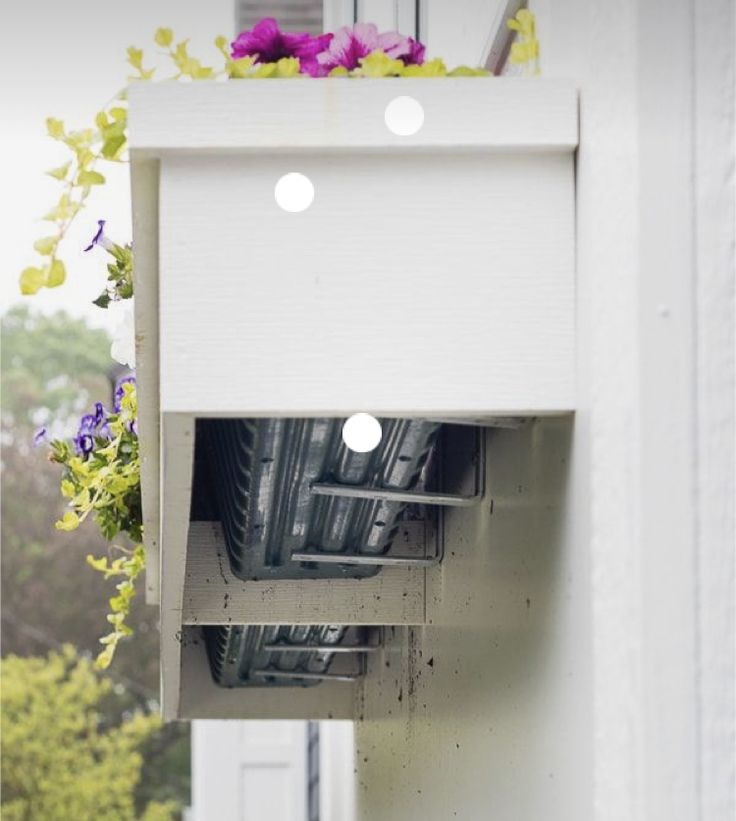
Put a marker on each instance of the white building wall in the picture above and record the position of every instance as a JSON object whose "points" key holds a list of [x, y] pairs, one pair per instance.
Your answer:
{"points": [[249, 770], [583, 646]]}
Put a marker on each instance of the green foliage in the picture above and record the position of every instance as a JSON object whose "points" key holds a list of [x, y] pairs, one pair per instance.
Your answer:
{"points": [[119, 276], [52, 368], [525, 51], [51, 365], [59, 759], [77, 176], [107, 140], [106, 483]]}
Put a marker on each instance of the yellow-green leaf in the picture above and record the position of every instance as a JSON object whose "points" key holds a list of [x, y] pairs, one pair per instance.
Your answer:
{"points": [[101, 120], [113, 146], [60, 172], [90, 178], [468, 71], [164, 37], [119, 114], [32, 280], [46, 245], [379, 64], [240, 68], [55, 127], [287, 67], [432, 68], [203, 72], [102, 662], [67, 488], [135, 57], [56, 274], [98, 564], [63, 210], [69, 521], [262, 71]]}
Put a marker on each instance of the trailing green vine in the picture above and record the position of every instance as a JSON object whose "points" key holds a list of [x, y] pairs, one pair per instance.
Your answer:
{"points": [[101, 479], [106, 140]]}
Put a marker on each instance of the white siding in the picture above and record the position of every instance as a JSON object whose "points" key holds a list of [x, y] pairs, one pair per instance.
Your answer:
{"points": [[249, 770]]}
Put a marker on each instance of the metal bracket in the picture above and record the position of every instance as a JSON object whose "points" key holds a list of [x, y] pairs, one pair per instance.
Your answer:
{"points": [[321, 648], [439, 500], [415, 496], [362, 558], [357, 649], [306, 676]]}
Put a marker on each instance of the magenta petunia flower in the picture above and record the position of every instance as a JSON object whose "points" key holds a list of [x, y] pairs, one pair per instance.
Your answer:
{"points": [[351, 43], [415, 57], [267, 43]]}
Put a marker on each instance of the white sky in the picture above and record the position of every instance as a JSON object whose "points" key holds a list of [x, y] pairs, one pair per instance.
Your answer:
{"points": [[66, 59]]}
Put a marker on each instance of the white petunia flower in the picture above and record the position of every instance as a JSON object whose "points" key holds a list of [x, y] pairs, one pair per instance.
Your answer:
{"points": [[123, 340]]}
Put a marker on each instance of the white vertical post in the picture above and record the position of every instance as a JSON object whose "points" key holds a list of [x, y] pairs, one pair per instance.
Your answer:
{"points": [[249, 770], [337, 771]]}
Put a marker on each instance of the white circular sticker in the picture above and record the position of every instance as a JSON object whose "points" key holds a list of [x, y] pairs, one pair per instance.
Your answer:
{"points": [[294, 192], [404, 116], [362, 432]]}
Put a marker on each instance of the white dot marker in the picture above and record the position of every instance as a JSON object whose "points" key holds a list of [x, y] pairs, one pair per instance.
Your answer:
{"points": [[362, 432], [294, 192], [404, 116]]}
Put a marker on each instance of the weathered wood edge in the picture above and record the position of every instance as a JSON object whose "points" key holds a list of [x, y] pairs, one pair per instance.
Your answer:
{"points": [[473, 113], [177, 456], [144, 179], [213, 595]]}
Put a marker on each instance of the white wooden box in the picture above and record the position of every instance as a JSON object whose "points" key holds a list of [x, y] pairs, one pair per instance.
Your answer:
{"points": [[433, 275]]}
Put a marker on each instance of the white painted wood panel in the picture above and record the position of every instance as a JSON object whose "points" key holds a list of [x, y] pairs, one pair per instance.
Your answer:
{"points": [[616, 701], [458, 32], [383, 13], [337, 771], [715, 346], [487, 113], [202, 698], [485, 712], [355, 304], [177, 450], [144, 179], [248, 771], [213, 595]]}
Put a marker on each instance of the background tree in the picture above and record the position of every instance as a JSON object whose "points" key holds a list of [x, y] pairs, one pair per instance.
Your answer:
{"points": [[61, 758], [53, 369]]}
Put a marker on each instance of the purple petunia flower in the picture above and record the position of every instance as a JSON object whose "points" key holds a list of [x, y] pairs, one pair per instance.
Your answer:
{"points": [[40, 436], [267, 43], [91, 426], [99, 238], [351, 43], [84, 444], [103, 429], [120, 391], [84, 441]]}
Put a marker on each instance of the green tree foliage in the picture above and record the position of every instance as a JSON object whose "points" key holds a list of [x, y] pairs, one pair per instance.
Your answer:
{"points": [[55, 367], [60, 759]]}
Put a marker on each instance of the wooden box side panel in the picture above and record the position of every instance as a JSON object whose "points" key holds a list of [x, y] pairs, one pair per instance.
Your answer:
{"points": [[415, 283], [345, 115]]}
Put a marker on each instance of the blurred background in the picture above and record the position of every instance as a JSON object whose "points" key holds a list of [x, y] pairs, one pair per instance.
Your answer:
{"points": [[70, 747]]}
